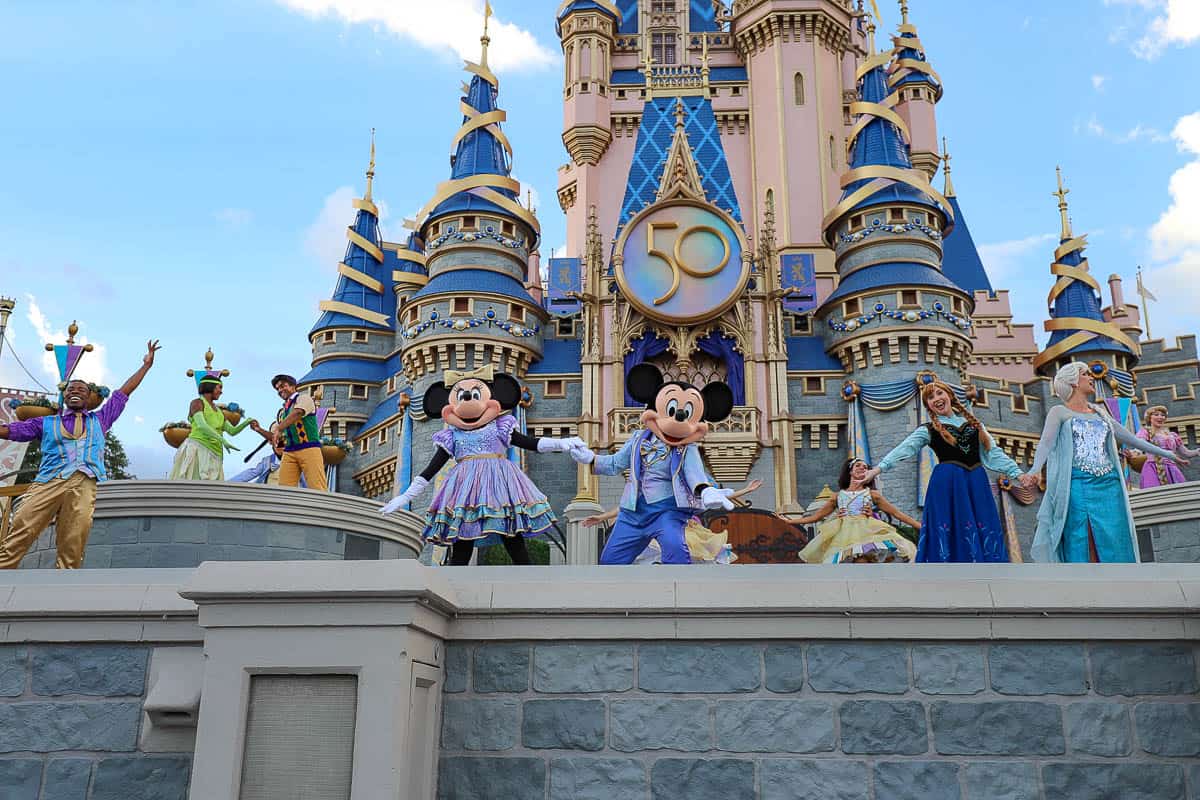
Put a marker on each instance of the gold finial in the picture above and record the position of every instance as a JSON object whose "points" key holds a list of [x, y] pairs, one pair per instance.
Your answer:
{"points": [[948, 191], [72, 329], [679, 119], [1061, 194], [704, 57], [903, 12], [370, 168], [485, 40], [208, 359]]}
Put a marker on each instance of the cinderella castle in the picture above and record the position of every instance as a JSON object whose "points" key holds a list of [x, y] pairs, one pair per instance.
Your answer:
{"points": [[749, 196]]}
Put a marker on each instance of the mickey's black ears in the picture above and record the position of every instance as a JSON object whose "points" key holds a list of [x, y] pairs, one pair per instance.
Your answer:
{"points": [[506, 391], [643, 383], [436, 398], [718, 401]]}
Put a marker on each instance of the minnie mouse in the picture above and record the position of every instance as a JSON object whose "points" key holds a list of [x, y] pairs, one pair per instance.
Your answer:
{"points": [[484, 493], [667, 483]]}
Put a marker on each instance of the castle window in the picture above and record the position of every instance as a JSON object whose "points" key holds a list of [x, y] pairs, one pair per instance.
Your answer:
{"points": [[358, 391], [585, 62], [798, 88], [801, 324], [506, 228], [896, 215], [736, 91], [468, 223], [383, 435], [566, 327], [362, 445], [662, 47], [412, 315], [661, 6], [556, 389], [910, 298], [814, 386], [846, 116], [358, 337], [620, 94], [712, 91], [460, 305], [856, 222], [852, 308], [832, 152], [600, 88], [957, 304], [583, 87], [329, 337], [516, 313]]}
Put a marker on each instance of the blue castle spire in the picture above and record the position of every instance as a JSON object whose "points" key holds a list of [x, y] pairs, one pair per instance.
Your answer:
{"points": [[1078, 330], [363, 296], [960, 258], [911, 65]]}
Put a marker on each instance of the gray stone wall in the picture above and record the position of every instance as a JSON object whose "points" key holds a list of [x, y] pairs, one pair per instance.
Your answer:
{"points": [[820, 720], [187, 541], [70, 718], [1172, 541]]}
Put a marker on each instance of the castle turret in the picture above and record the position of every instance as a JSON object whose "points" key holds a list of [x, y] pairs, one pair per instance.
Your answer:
{"points": [[475, 309], [1077, 327], [355, 331], [917, 88], [894, 314], [960, 258]]}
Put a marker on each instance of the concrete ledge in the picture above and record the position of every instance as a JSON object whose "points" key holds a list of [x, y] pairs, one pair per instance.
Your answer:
{"points": [[248, 501], [1146, 601], [1162, 504]]}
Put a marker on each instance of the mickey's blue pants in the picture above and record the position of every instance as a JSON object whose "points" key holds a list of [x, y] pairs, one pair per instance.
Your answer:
{"points": [[633, 530]]}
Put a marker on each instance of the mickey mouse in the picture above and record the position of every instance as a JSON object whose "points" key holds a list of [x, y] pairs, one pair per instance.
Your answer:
{"points": [[484, 494], [667, 483]]}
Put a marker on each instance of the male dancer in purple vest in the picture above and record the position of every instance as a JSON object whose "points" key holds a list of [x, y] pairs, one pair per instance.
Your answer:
{"points": [[72, 465]]}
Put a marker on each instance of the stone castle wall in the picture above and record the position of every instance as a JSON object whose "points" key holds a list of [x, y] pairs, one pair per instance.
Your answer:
{"points": [[820, 719]]}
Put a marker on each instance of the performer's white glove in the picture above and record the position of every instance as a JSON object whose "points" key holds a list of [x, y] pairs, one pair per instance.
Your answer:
{"points": [[404, 498], [712, 497], [582, 455], [560, 445]]}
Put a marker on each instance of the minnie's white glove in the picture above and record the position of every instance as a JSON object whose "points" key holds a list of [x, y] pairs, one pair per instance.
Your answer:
{"points": [[560, 445], [404, 498], [712, 497]]}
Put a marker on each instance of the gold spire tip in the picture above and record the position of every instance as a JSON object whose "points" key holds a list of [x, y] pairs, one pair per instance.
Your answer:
{"points": [[949, 190], [485, 40], [903, 12], [370, 168], [1061, 194]]}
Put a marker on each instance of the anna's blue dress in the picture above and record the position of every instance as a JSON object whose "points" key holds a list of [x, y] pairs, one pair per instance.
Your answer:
{"points": [[960, 522]]}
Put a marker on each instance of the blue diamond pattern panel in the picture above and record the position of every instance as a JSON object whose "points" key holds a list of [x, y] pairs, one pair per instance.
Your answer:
{"points": [[650, 155]]}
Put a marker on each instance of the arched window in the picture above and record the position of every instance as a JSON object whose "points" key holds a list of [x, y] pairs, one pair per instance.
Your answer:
{"points": [[798, 88], [585, 60], [833, 159], [570, 63]]}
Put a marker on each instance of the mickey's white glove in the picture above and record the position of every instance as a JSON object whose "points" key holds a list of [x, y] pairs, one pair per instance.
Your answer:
{"points": [[404, 498], [712, 497], [560, 445], [582, 455]]}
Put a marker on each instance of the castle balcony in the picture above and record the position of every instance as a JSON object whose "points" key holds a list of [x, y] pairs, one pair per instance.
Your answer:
{"points": [[160, 523], [1167, 519]]}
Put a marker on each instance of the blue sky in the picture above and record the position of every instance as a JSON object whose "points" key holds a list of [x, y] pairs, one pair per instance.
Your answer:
{"points": [[184, 170]]}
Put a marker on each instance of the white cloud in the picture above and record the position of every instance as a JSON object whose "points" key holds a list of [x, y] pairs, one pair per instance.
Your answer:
{"points": [[1005, 260], [139, 420], [1176, 22], [1139, 132], [92, 366], [234, 217], [446, 25], [1098, 82], [325, 238], [1175, 240]]}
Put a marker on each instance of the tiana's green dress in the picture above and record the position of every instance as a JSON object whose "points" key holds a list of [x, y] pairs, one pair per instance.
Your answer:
{"points": [[200, 455]]}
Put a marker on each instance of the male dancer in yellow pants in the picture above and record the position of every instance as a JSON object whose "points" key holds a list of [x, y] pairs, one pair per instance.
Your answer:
{"points": [[72, 465], [296, 430]]}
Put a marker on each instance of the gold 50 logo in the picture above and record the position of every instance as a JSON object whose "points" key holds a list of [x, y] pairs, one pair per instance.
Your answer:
{"points": [[681, 262]]}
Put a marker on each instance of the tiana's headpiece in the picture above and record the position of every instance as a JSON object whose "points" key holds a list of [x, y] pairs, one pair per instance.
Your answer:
{"points": [[208, 375]]}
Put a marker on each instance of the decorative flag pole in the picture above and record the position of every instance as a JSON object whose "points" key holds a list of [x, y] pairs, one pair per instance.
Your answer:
{"points": [[67, 356], [1146, 296]]}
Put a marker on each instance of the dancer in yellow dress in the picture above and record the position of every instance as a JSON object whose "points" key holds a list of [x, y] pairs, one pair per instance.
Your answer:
{"points": [[855, 535]]}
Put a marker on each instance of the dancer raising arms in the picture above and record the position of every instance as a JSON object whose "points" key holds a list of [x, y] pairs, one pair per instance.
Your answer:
{"points": [[855, 535], [960, 522]]}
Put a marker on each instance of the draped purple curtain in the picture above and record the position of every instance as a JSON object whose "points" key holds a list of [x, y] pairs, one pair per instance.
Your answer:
{"points": [[647, 346], [714, 344]]}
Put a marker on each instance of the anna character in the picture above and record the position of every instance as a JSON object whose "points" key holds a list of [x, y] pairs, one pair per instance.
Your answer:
{"points": [[484, 493], [856, 535], [960, 522], [1159, 471]]}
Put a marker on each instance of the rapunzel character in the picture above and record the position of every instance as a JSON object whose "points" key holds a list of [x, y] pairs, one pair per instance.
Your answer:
{"points": [[200, 457], [960, 522], [667, 483], [1160, 471], [704, 546], [1085, 512], [856, 535], [484, 494]]}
